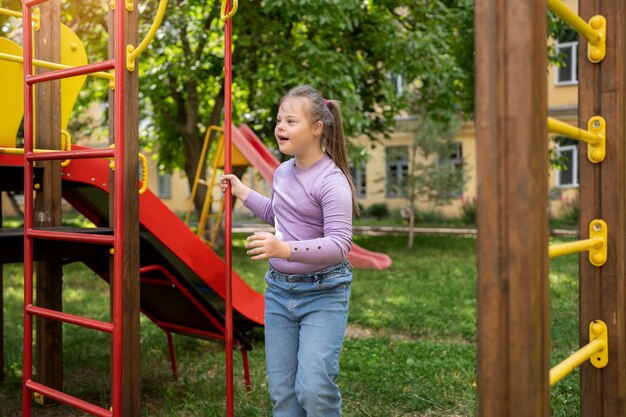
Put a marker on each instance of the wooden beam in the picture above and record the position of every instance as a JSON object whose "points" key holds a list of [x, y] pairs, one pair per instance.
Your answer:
{"points": [[49, 342], [603, 195], [513, 325], [131, 380]]}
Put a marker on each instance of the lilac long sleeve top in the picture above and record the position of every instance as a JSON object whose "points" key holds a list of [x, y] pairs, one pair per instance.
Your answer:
{"points": [[311, 208]]}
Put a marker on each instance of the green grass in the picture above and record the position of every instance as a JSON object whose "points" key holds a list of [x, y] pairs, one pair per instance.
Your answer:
{"points": [[410, 350]]}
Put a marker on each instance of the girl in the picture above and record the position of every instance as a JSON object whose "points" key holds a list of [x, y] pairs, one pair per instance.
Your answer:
{"points": [[308, 282]]}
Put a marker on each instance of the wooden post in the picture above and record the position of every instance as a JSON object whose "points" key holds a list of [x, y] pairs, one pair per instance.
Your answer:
{"points": [[49, 347], [603, 195], [131, 380], [513, 325]]}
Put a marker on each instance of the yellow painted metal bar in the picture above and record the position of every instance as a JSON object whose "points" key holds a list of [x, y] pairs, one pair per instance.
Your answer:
{"points": [[575, 21], [595, 135], [594, 30], [53, 65], [569, 248], [20, 151], [13, 13], [133, 53], [596, 244], [201, 159], [233, 10], [596, 350], [8, 12], [208, 199], [557, 126]]}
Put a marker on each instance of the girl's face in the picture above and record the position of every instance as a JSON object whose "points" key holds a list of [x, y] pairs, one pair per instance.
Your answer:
{"points": [[295, 132]]}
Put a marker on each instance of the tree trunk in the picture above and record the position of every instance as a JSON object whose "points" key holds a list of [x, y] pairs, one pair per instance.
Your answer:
{"points": [[411, 224]]}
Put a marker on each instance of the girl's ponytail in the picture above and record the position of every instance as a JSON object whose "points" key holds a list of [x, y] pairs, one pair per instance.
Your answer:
{"points": [[335, 146], [333, 139]]}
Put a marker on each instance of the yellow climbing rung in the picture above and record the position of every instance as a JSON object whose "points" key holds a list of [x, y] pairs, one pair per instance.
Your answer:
{"points": [[595, 135], [594, 30], [596, 351], [596, 244]]}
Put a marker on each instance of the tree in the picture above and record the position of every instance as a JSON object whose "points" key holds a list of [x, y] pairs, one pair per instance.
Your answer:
{"points": [[348, 49]]}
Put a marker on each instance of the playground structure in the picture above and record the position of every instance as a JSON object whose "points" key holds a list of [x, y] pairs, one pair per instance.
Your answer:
{"points": [[142, 249], [514, 375], [182, 270]]}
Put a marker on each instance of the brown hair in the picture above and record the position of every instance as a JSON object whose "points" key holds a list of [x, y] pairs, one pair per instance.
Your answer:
{"points": [[333, 140]]}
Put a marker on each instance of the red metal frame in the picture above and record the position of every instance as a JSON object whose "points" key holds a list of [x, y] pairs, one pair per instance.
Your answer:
{"points": [[228, 253], [118, 63], [170, 280], [71, 72], [81, 154]]}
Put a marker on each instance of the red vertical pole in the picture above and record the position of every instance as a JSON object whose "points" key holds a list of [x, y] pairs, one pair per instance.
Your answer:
{"points": [[118, 208], [27, 368], [228, 107]]}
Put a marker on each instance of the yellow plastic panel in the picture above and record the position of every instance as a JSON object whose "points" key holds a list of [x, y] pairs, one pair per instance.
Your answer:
{"points": [[238, 160], [72, 53], [12, 101]]}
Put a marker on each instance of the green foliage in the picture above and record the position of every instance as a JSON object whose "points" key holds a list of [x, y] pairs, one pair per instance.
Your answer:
{"points": [[469, 208], [378, 210]]}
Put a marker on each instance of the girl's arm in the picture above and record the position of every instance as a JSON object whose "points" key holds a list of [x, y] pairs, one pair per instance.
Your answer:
{"points": [[260, 205], [336, 201]]}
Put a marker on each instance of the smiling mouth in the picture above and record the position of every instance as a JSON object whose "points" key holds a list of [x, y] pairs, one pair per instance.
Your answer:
{"points": [[282, 139]]}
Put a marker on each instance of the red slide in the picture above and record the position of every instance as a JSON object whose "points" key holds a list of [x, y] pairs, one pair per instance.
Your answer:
{"points": [[253, 149]]}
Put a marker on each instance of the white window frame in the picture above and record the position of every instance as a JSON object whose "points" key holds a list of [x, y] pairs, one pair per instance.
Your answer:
{"points": [[573, 64], [574, 162], [398, 175], [361, 191], [165, 180]]}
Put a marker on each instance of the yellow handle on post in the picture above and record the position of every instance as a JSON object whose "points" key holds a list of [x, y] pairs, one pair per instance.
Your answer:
{"points": [[133, 53], [66, 145], [144, 174], [144, 170], [597, 244], [596, 351], [595, 135], [233, 10]]}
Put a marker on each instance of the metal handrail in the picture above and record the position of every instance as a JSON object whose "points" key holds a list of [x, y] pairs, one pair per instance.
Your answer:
{"points": [[575, 21], [596, 351], [36, 16], [225, 16], [132, 53]]}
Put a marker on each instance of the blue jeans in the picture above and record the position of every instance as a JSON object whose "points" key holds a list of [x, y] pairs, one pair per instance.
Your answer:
{"points": [[305, 323]]}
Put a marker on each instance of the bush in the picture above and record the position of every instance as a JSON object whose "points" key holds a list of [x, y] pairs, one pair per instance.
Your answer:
{"points": [[379, 211], [469, 208]]}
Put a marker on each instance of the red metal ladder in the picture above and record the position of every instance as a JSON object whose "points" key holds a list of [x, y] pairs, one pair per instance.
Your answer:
{"points": [[30, 234]]}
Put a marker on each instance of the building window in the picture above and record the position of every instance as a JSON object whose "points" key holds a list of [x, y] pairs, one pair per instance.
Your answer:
{"points": [[398, 82], [360, 179], [397, 169], [567, 71], [452, 158], [165, 186], [567, 175]]}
